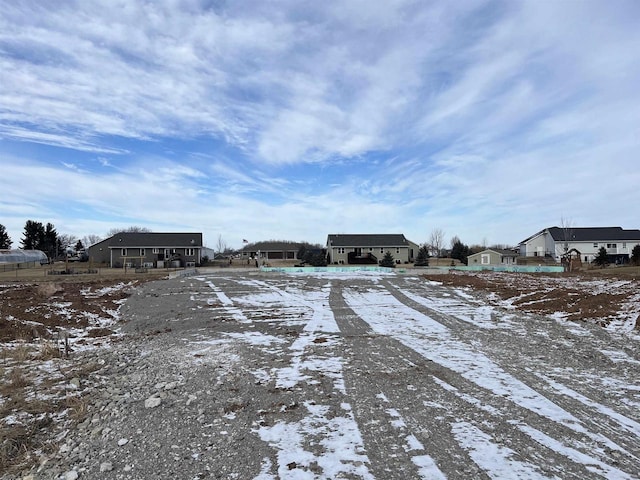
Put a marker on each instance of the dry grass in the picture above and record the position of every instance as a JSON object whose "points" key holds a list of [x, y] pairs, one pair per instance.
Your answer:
{"points": [[568, 293], [78, 408], [37, 403], [48, 350], [18, 379]]}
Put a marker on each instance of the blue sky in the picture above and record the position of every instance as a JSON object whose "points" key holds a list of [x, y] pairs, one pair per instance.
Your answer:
{"points": [[262, 120]]}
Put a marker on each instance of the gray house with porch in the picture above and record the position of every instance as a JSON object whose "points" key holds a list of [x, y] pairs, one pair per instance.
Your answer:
{"points": [[152, 250], [369, 248]]}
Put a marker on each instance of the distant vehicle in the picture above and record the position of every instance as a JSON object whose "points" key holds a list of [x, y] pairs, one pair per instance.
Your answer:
{"points": [[79, 256]]}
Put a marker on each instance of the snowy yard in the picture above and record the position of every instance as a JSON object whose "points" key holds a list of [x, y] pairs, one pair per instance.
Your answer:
{"points": [[365, 376]]}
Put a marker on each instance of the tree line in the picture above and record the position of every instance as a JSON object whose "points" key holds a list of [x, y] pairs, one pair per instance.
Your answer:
{"points": [[44, 237]]}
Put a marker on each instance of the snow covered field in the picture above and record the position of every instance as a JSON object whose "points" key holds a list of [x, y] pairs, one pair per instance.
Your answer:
{"points": [[373, 376]]}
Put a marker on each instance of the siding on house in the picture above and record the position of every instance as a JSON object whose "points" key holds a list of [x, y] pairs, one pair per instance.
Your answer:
{"points": [[137, 249], [339, 246], [492, 257], [555, 241], [272, 250]]}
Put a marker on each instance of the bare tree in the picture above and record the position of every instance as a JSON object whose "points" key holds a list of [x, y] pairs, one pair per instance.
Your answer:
{"points": [[131, 229], [566, 224], [436, 242], [67, 239], [221, 245], [91, 239]]}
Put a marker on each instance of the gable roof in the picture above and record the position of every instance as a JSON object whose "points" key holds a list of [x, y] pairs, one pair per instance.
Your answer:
{"points": [[272, 246], [588, 234], [499, 251], [593, 234], [367, 240], [152, 239]]}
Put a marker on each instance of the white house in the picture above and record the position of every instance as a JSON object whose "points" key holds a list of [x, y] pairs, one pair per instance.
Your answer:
{"points": [[554, 242]]}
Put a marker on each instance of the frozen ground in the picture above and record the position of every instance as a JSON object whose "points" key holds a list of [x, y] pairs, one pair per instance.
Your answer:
{"points": [[267, 376]]}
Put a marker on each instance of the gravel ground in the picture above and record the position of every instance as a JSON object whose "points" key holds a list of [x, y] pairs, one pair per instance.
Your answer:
{"points": [[237, 375]]}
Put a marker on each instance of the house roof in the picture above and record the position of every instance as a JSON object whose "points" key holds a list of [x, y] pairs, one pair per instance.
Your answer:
{"points": [[272, 246], [152, 239], [592, 234], [499, 251], [367, 240], [588, 234]]}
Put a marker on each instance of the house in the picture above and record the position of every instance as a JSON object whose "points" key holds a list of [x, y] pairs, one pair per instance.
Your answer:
{"points": [[271, 250], [143, 249], [556, 243], [493, 257], [369, 248]]}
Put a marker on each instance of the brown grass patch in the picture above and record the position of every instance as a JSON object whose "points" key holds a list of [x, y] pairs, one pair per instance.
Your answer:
{"points": [[546, 294], [17, 379], [99, 332], [78, 408]]}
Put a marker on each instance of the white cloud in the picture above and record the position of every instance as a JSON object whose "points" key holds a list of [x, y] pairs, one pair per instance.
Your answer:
{"points": [[485, 119]]}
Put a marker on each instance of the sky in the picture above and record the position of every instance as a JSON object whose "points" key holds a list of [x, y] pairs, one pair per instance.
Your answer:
{"points": [[486, 120]]}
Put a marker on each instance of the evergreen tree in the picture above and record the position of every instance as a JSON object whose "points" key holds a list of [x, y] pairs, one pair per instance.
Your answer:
{"points": [[33, 236], [635, 255], [388, 261], [5, 240], [459, 250], [601, 258], [50, 241], [317, 259], [422, 260], [302, 251]]}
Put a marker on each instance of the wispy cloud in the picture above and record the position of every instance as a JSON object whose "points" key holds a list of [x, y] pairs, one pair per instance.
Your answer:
{"points": [[488, 119]]}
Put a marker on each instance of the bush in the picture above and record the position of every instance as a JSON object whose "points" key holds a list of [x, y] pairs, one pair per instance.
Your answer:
{"points": [[601, 258], [388, 261], [422, 260]]}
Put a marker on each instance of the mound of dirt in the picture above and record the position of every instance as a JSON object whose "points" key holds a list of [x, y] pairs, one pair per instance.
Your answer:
{"points": [[591, 298]]}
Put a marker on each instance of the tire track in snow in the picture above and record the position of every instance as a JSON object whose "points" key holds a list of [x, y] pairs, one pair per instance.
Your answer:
{"points": [[605, 425], [377, 368], [591, 421]]}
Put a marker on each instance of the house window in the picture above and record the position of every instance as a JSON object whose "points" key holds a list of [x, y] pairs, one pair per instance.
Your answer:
{"points": [[341, 250], [397, 250], [142, 252], [189, 252], [156, 250], [371, 249], [382, 250], [624, 245], [595, 245], [612, 245], [485, 259], [123, 252]]}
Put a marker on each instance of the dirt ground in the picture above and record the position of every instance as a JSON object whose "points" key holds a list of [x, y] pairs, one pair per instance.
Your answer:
{"points": [[35, 397], [594, 296]]}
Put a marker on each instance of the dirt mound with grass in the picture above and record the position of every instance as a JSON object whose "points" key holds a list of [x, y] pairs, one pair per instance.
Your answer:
{"points": [[40, 388], [587, 297]]}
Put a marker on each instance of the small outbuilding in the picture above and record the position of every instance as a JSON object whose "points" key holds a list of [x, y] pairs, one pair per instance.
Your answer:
{"points": [[17, 258], [492, 257]]}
